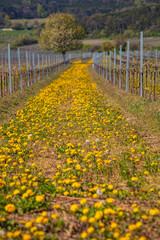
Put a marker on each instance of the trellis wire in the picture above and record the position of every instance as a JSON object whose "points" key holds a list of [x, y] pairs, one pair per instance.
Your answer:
{"points": [[19, 69], [135, 71]]}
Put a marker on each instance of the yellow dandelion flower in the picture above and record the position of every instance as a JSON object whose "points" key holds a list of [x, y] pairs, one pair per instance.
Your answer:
{"points": [[28, 224], [84, 235], [154, 212], [132, 227], [85, 210], [10, 208], [39, 198], [16, 233], [54, 216], [26, 237], [16, 192], [39, 219], [90, 230], [83, 201], [91, 220], [134, 179], [83, 219], [98, 215], [98, 205], [57, 206], [110, 200], [114, 225], [110, 187], [74, 208]]}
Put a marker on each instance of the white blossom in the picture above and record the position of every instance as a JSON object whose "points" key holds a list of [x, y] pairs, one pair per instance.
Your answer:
{"points": [[2, 232], [30, 135], [99, 192]]}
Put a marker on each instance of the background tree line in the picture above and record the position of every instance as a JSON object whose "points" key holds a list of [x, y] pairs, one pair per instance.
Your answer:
{"points": [[100, 18], [42, 8], [128, 22]]}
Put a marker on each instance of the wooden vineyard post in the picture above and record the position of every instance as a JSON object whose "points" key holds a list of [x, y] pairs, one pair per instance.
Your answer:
{"points": [[43, 64], [34, 77], [2, 59], [5, 58], [120, 66], [148, 56], [50, 64], [154, 85], [114, 68], [46, 66], [99, 64], [56, 62], [150, 93], [20, 72], [146, 82], [28, 80], [141, 64], [127, 71], [39, 70], [9, 68], [30, 67], [156, 77], [110, 66], [137, 58], [1, 86], [106, 65]]}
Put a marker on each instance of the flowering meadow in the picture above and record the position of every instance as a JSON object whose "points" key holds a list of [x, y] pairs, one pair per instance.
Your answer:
{"points": [[73, 167]]}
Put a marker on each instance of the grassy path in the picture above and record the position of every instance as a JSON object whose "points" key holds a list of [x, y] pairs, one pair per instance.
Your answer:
{"points": [[73, 167], [10, 104]]}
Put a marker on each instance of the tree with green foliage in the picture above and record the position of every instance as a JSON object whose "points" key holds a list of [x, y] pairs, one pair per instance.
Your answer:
{"points": [[107, 46], [7, 21], [61, 33], [137, 3], [79, 34], [40, 11]]}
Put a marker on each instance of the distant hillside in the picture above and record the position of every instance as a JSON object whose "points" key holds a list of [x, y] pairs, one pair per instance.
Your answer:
{"points": [[28, 8], [129, 22], [100, 18]]}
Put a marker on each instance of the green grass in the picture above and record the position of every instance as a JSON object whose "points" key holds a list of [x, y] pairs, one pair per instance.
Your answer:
{"points": [[11, 36], [9, 105], [16, 32]]}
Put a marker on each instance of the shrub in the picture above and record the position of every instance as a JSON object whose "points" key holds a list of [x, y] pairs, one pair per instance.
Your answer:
{"points": [[129, 34], [86, 47], [25, 40], [17, 26], [107, 46], [120, 41]]}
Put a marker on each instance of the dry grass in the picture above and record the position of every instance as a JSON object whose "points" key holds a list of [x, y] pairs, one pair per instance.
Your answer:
{"points": [[94, 42], [149, 42], [142, 113]]}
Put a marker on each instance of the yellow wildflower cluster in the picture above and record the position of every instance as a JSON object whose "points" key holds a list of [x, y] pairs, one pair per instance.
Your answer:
{"points": [[102, 163]]}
